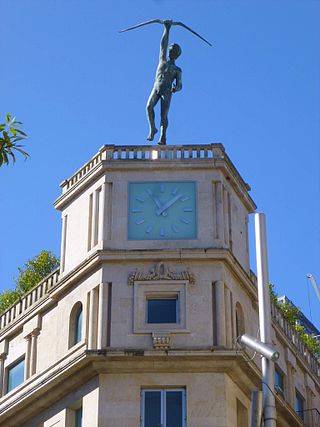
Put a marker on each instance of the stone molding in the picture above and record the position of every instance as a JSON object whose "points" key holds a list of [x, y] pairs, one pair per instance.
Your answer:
{"points": [[161, 340], [161, 272]]}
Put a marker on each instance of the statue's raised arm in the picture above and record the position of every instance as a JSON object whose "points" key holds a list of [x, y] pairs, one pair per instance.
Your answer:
{"points": [[164, 41], [168, 78]]}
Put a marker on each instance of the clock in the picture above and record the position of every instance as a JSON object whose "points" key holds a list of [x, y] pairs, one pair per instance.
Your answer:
{"points": [[162, 210]]}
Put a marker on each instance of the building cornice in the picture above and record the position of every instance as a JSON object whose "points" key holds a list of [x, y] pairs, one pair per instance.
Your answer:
{"points": [[131, 158], [43, 390]]}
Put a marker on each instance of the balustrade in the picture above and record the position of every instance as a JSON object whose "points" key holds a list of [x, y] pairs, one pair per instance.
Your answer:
{"points": [[29, 299]]}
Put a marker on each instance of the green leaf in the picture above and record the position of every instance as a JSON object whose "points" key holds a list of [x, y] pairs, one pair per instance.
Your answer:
{"points": [[5, 157], [8, 117], [21, 133], [13, 131]]}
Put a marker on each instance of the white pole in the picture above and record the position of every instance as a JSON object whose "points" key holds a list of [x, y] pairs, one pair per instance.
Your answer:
{"points": [[265, 319]]}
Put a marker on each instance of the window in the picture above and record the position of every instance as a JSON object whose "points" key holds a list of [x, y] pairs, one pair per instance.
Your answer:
{"points": [[299, 405], [75, 324], [160, 306], [240, 328], [165, 408], [78, 417], [279, 381], [162, 310], [15, 375]]}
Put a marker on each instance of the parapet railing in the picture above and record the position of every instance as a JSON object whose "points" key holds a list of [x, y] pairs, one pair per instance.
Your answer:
{"points": [[149, 152], [29, 299], [294, 338]]}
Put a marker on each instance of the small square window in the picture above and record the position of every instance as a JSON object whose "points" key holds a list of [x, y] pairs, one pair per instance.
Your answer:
{"points": [[162, 310], [15, 375]]}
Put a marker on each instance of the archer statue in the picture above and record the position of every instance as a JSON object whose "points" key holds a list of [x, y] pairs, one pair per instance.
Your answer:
{"points": [[167, 80]]}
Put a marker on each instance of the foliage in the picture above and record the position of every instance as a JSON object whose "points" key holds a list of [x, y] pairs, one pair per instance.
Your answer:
{"points": [[292, 315], [7, 298], [10, 135], [32, 272]]}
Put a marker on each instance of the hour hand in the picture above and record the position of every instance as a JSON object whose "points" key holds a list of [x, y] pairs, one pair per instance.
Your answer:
{"points": [[168, 204], [157, 202]]}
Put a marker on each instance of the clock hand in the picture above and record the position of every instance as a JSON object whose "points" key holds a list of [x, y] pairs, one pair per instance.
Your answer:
{"points": [[168, 204], [157, 202]]}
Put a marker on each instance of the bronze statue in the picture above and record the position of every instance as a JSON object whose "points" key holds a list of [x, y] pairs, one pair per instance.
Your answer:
{"points": [[167, 80]]}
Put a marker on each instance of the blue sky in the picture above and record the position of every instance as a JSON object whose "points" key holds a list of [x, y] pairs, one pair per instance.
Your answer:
{"points": [[76, 84]]}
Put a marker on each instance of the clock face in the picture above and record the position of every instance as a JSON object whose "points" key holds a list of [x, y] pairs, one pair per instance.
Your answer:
{"points": [[162, 210]]}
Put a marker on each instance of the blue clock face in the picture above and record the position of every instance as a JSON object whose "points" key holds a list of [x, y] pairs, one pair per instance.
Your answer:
{"points": [[162, 210]]}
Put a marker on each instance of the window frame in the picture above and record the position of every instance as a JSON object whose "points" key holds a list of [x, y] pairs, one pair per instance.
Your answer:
{"points": [[163, 392], [162, 288], [9, 368]]}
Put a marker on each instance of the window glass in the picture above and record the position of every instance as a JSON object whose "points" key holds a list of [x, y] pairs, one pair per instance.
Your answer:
{"points": [[299, 405], [162, 310], [78, 326], [79, 417], [173, 408], [15, 375], [152, 404]]}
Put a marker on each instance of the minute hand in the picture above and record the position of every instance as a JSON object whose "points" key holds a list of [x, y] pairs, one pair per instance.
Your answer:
{"points": [[168, 204]]}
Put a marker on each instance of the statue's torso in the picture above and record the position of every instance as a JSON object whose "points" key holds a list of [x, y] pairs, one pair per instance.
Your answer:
{"points": [[165, 75]]}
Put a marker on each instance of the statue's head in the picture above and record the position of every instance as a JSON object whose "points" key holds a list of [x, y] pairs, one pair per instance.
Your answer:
{"points": [[174, 51]]}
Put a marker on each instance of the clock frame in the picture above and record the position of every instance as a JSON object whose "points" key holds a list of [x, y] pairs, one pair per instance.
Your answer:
{"points": [[162, 210]]}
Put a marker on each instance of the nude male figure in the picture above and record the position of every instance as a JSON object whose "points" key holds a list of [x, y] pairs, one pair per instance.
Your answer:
{"points": [[167, 82]]}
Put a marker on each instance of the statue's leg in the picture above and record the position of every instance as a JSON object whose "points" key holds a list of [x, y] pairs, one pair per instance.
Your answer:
{"points": [[152, 101], [165, 105]]}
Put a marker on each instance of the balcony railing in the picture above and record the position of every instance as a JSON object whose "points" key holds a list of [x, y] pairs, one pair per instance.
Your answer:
{"points": [[148, 152], [29, 299], [294, 338]]}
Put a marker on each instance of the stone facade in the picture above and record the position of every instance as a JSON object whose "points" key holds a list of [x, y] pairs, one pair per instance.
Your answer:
{"points": [[108, 280]]}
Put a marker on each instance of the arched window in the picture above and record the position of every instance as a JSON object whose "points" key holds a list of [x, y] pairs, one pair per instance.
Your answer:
{"points": [[240, 327], [75, 324]]}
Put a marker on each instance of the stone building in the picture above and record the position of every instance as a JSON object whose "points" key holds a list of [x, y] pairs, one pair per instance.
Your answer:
{"points": [[138, 328]]}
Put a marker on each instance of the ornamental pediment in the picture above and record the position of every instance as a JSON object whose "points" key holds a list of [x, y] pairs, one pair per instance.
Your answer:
{"points": [[161, 272]]}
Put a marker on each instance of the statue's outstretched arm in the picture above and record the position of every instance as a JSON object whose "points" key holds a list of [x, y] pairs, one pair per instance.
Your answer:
{"points": [[165, 41], [178, 85]]}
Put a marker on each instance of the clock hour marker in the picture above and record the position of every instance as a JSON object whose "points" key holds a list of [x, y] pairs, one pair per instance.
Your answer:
{"points": [[140, 221], [161, 188], [174, 191], [162, 232], [135, 210], [187, 210], [148, 190], [140, 199], [185, 221], [175, 228], [183, 199], [149, 229]]}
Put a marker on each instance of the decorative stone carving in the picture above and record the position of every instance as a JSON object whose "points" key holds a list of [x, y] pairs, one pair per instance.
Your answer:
{"points": [[161, 272], [161, 340]]}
